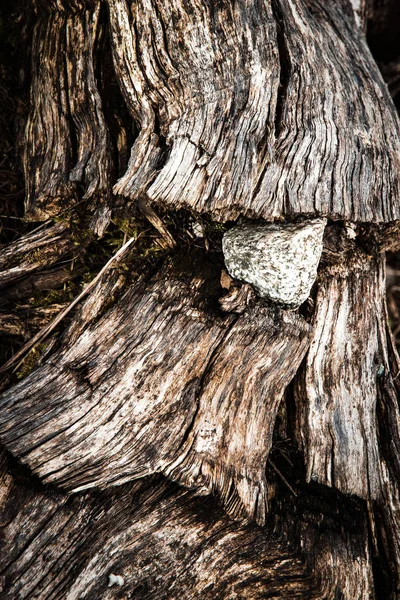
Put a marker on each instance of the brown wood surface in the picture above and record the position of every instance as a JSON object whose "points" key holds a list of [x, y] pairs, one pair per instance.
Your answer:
{"points": [[173, 435]]}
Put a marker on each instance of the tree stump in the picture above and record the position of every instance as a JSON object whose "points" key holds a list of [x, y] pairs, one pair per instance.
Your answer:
{"points": [[216, 415]]}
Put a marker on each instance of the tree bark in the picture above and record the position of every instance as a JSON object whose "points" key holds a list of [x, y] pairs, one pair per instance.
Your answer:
{"points": [[178, 434]]}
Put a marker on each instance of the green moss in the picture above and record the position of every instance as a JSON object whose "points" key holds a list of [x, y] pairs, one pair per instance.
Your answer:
{"points": [[57, 296], [30, 361], [35, 256], [131, 227]]}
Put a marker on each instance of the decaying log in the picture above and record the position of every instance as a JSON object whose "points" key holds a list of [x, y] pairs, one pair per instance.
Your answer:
{"points": [[155, 385], [267, 110], [161, 542]]}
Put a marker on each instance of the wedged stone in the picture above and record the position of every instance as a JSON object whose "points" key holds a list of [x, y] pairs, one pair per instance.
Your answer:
{"points": [[279, 260]]}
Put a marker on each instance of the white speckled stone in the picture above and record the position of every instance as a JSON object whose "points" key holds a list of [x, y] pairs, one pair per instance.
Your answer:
{"points": [[279, 260]]}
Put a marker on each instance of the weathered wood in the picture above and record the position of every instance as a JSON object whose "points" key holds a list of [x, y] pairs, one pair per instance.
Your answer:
{"points": [[61, 92], [139, 365], [364, 11], [155, 385], [165, 543], [387, 510], [387, 517], [338, 391], [260, 134], [256, 124], [267, 110], [227, 447], [34, 251], [94, 166], [48, 146]]}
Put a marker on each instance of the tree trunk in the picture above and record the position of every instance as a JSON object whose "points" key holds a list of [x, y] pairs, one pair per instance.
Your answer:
{"points": [[216, 414]]}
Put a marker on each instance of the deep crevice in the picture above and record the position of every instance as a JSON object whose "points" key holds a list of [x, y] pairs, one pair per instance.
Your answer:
{"points": [[285, 66]]}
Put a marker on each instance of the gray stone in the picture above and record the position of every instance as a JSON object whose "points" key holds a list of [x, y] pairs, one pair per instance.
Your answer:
{"points": [[279, 260]]}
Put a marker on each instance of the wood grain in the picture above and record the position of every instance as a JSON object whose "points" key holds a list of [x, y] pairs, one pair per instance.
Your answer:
{"points": [[339, 386], [34, 251], [48, 148], [161, 384], [228, 445], [253, 108], [165, 543], [66, 140], [93, 166], [289, 116]]}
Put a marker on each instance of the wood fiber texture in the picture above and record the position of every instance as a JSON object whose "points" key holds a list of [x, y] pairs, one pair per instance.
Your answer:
{"points": [[48, 148], [93, 168], [244, 107], [339, 387], [66, 139], [32, 252], [227, 447], [261, 109], [157, 385], [165, 543], [255, 108]]}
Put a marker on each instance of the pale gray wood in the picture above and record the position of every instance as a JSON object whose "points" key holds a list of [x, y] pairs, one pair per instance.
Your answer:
{"points": [[227, 447], [339, 389]]}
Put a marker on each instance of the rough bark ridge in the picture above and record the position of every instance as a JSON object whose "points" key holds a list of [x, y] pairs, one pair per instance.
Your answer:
{"points": [[57, 156], [263, 117], [341, 376]]}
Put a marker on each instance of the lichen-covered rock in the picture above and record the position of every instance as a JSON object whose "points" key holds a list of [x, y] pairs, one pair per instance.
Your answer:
{"points": [[279, 260]]}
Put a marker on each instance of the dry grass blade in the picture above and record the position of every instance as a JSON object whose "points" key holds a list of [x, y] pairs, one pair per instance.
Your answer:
{"points": [[43, 333]]}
